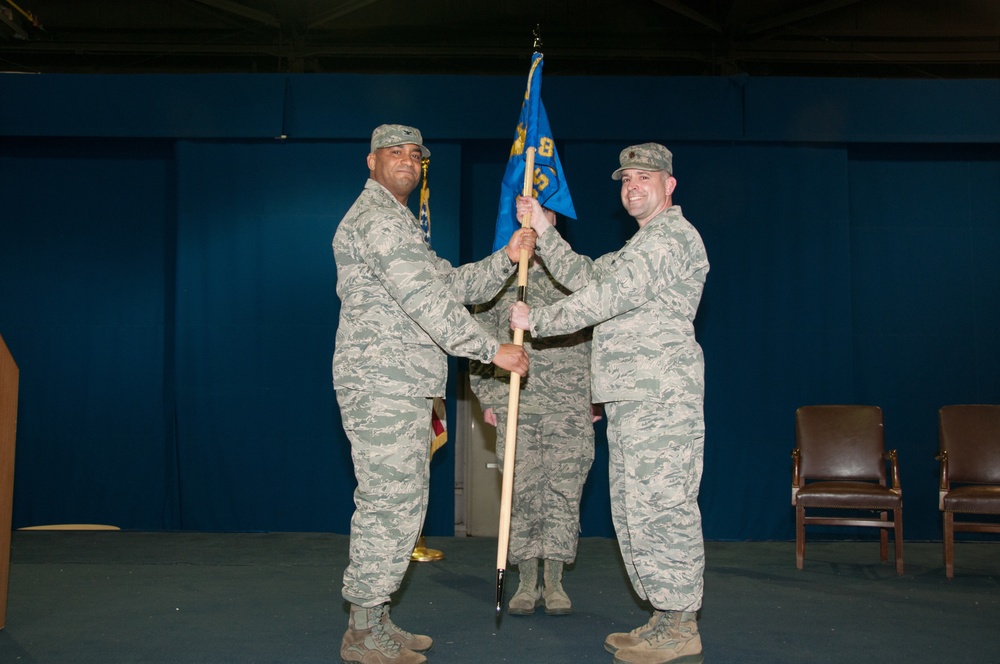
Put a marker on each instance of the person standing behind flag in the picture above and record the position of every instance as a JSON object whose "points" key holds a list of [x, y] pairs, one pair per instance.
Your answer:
{"points": [[552, 462], [555, 443], [648, 370], [402, 308]]}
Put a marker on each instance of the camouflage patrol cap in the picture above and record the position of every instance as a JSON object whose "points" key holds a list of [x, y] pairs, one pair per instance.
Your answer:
{"points": [[388, 135], [646, 157]]}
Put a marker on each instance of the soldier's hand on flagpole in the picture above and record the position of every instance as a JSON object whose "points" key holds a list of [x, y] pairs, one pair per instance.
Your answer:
{"points": [[519, 316], [513, 358], [541, 219], [523, 238]]}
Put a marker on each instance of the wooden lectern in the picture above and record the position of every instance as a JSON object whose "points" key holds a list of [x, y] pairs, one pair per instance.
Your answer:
{"points": [[8, 424]]}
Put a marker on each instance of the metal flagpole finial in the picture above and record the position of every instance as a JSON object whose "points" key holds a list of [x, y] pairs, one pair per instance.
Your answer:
{"points": [[538, 36]]}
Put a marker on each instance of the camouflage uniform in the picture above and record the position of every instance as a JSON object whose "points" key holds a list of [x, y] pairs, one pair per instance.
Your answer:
{"points": [[648, 369], [401, 310], [555, 432]]}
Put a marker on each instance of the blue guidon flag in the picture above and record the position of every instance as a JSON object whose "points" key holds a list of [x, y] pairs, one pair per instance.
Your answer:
{"points": [[550, 186]]}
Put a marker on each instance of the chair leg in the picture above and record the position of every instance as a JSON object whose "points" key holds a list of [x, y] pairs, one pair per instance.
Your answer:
{"points": [[884, 538], [897, 519], [949, 544], [800, 535]]}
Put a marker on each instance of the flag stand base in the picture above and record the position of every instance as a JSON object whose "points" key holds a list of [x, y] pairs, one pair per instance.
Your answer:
{"points": [[422, 554]]}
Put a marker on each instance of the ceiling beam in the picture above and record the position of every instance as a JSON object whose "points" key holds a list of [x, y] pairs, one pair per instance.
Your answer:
{"points": [[343, 9], [14, 27], [679, 7], [779, 20], [244, 11], [983, 51]]}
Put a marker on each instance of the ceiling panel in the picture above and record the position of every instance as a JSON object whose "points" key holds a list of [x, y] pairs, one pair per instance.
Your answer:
{"points": [[852, 38]]}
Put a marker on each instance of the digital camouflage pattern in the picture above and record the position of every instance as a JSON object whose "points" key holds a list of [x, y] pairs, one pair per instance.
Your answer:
{"points": [[401, 310], [389, 135], [654, 470], [645, 157], [648, 369], [560, 365], [642, 300], [401, 306], [555, 432], [391, 456]]}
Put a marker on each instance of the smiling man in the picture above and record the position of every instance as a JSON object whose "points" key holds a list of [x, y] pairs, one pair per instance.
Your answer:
{"points": [[402, 308], [648, 371]]}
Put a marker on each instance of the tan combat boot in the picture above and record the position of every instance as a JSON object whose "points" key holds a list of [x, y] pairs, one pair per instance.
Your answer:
{"points": [[415, 642], [673, 639], [619, 640], [367, 641], [555, 598], [525, 600]]}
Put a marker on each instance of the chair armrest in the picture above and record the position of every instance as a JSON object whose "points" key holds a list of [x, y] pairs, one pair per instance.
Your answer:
{"points": [[943, 458], [893, 460], [945, 484], [796, 454]]}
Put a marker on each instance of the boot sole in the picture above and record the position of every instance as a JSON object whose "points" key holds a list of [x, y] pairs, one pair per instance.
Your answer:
{"points": [[558, 612], [686, 659]]}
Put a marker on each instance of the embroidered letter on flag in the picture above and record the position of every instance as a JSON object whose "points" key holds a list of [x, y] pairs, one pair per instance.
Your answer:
{"points": [[550, 186]]}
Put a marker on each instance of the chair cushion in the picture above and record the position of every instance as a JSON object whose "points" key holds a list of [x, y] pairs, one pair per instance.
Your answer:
{"points": [[973, 499], [849, 495]]}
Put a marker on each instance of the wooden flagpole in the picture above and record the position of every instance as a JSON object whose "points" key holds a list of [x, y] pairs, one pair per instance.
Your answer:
{"points": [[513, 399]]}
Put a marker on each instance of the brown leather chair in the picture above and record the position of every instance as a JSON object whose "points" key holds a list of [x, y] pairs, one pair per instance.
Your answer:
{"points": [[969, 438], [840, 464]]}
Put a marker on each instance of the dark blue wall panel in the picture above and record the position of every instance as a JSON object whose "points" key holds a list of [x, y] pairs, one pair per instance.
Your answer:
{"points": [[166, 105], [82, 287], [871, 110], [169, 295]]}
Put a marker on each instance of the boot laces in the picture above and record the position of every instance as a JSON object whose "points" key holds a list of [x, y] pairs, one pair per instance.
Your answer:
{"points": [[665, 631], [380, 634], [644, 630]]}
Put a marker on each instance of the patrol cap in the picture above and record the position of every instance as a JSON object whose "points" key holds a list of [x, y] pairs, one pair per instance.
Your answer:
{"points": [[388, 135], [646, 157]]}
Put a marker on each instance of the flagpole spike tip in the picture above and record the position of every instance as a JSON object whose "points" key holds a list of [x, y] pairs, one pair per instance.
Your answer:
{"points": [[538, 36], [499, 595]]}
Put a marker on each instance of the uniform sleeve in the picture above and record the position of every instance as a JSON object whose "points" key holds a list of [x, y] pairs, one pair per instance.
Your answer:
{"points": [[477, 282], [572, 270], [484, 381], [406, 268], [624, 281]]}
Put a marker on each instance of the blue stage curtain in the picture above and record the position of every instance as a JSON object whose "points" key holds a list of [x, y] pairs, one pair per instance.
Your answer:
{"points": [[82, 283], [260, 443], [258, 431]]}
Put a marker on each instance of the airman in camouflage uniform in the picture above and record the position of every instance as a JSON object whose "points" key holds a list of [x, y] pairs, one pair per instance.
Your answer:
{"points": [[555, 443], [648, 369], [401, 309]]}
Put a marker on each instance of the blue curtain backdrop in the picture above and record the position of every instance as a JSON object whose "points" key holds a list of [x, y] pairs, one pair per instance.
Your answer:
{"points": [[84, 245], [258, 430], [167, 283], [255, 322]]}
